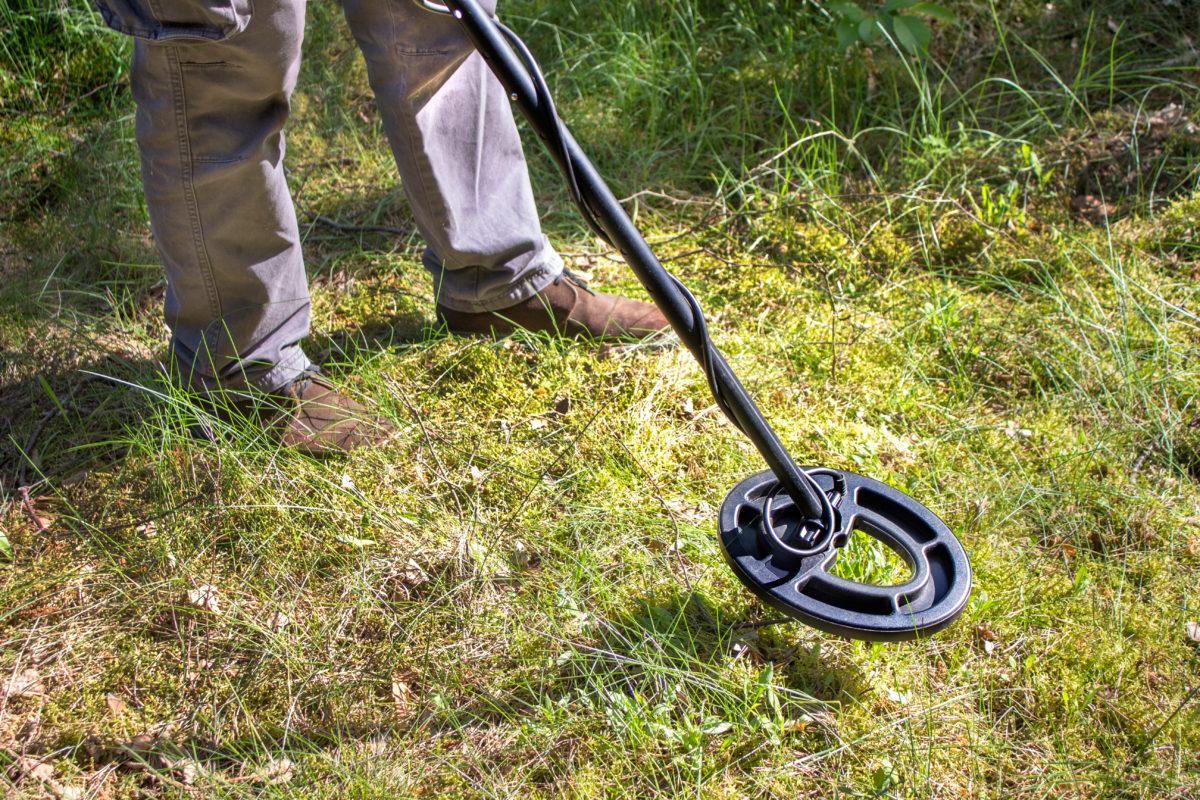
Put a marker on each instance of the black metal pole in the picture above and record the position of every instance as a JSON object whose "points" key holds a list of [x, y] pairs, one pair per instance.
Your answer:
{"points": [[624, 235]]}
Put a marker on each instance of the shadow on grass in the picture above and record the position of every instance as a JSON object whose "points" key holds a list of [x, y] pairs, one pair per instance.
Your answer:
{"points": [[65, 415], [685, 634]]}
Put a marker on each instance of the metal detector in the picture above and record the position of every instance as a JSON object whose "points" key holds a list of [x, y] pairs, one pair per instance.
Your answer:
{"points": [[780, 529]]}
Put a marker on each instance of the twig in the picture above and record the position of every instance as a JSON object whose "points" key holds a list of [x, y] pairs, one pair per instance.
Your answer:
{"points": [[28, 506]]}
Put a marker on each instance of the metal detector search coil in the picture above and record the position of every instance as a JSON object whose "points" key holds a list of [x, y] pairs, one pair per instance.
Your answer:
{"points": [[779, 529], [786, 558]]}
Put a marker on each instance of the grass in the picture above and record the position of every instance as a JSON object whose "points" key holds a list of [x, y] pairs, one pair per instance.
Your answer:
{"points": [[972, 276]]}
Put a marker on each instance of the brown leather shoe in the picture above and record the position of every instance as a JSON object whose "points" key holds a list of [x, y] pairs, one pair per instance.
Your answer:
{"points": [[323, 422], [309, 416], [567, 307]]}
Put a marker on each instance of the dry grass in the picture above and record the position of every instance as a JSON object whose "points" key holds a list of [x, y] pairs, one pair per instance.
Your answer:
{"points": [[523, 596]]}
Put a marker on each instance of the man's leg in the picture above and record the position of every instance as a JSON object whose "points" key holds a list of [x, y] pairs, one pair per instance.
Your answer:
{"points": [[210, 116], [459, 155], [213, 84], [451, 128]]}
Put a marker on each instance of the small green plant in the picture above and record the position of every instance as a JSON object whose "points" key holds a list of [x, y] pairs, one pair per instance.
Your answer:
{"points": [[899, 19]]}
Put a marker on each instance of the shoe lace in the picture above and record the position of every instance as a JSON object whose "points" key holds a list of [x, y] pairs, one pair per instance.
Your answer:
{"points": [[573, 279]]}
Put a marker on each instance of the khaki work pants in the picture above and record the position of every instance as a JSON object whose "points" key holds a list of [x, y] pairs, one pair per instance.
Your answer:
{"points": [[213, 79]]}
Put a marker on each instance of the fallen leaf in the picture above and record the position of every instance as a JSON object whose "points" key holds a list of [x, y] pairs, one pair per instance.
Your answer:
{"points": [[986, 638], [147, 530], [116, 706], [185, 769], [1193, 631], [1014, 430], [26, 684], [278, 621], [205, 598], [42, 772], [139, 747], [692, 512]]}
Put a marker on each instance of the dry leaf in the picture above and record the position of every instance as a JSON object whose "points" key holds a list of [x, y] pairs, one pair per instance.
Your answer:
{"points": [[41, 772], [204, 597], [65, 792], [692, 512], [185, 769], [138, 748], [278, 621], [1193, 630], [147, 530], [116, 706], [986, 638], [27, 684], [1014, 430]]}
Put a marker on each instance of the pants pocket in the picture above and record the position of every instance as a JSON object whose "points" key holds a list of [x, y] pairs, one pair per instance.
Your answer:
{"points": [[177, 20]]}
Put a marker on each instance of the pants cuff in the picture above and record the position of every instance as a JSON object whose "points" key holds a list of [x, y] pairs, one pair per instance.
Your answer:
{"points": [[531, 281]]}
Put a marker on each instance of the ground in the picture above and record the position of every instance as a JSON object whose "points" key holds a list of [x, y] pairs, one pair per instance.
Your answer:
{"points": [[970, 273]]}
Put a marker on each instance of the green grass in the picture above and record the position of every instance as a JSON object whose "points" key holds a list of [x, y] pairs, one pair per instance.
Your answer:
{"points": [[524, 596]]}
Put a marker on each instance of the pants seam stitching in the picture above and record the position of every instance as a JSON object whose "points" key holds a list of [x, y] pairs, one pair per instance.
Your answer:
{"points": [[203, 261]]}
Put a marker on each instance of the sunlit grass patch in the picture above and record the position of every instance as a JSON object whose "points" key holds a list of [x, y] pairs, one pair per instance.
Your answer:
{"points": [[522, 595]]}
